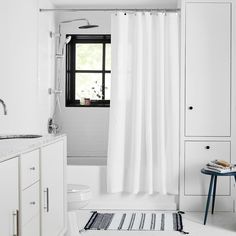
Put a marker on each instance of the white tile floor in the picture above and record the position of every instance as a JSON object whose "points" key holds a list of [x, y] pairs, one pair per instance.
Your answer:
{"points": [[219, 224]]}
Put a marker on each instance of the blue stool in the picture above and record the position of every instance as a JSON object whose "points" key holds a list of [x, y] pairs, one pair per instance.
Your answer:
{"points": [[213, 184]]}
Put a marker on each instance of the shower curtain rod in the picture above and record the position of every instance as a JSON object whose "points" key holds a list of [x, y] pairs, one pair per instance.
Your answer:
{"points": [[106, 9]]}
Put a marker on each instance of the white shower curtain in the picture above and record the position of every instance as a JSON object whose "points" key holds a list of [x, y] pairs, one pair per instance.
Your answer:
{"points": [[143, 150]]}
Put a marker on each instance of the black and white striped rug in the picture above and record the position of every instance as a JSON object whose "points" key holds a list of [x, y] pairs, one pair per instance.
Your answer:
{"points": [[139, 221]]}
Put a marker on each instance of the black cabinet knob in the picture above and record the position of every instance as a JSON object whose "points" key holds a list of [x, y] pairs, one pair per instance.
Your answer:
{"points": [[207, 147], [190, 108]]}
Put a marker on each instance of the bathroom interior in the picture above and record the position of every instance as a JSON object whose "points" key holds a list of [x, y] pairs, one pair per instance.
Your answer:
{"points": [[112, 109]]}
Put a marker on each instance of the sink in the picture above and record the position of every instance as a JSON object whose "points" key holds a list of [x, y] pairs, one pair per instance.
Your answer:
{"points": [[20, 136]]}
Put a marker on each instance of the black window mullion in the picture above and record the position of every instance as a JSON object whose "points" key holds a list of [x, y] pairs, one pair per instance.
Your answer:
{"points": [[88, 71], [103, 70], [73, 62]]}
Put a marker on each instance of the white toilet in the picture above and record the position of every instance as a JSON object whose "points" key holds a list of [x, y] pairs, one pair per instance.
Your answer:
{"points": [[78, 197]]}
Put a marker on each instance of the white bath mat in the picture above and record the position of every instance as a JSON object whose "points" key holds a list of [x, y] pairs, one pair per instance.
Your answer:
{"points": [[135, 221]]}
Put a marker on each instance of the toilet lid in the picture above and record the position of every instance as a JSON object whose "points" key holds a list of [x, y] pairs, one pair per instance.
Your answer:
{"points": [[75, 188]]}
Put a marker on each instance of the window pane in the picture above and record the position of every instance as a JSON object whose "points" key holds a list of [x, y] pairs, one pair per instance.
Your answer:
{"points": [[88, 85], [89, 56], [108, 57], [107, 86]]}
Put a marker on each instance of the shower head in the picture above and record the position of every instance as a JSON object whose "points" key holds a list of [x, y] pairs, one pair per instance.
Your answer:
{"points": [[88, 26]]}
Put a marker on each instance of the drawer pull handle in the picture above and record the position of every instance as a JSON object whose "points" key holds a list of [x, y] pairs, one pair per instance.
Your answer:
{"points": [[207, 147], [46, 199], [32, 168], [190, 108], [16, 223], [32, 203]]}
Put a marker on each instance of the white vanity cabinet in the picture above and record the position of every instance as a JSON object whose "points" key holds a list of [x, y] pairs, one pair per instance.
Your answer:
{"points": [[9, 198], [33, 190], [53, 209]]}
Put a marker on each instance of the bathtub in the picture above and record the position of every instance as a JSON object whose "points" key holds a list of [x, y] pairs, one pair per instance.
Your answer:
{"points": [[92, 172]]}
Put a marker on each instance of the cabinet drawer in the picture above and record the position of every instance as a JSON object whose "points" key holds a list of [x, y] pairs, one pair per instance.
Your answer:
{"points": [[197, 154], [29, 168], [29, 203], [32, 228]]}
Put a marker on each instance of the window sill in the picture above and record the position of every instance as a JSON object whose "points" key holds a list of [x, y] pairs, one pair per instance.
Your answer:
{"points": [[92, 105]]}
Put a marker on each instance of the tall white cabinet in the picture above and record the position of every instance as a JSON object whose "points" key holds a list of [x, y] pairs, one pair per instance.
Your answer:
{"points": [[207, 93]]}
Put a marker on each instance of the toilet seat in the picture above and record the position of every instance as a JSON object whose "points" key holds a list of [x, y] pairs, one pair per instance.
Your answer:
{"points": [[78, 196], [75, 188]]}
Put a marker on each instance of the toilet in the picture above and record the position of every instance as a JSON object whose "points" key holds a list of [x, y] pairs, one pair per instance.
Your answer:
{"points": [[78, 196]]}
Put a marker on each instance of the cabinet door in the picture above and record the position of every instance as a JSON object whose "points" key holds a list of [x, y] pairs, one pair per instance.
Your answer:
{"points": [[9, 200], [32, 228], [208, 69], [53, 189], [197, 155]]}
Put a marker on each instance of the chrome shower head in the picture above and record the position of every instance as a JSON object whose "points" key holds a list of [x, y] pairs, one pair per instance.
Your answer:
{"points": [[88, 26]]}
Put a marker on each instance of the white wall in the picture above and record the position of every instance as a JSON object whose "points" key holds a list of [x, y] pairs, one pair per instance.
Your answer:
{"points": [[46, 66], [87, 128], [23, 76]]}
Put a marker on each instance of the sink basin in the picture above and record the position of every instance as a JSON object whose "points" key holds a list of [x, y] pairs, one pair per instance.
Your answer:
{"points": [[20, 136]]}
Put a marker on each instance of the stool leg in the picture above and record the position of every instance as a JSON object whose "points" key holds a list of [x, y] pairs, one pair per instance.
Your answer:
{"points": [[214, 195], [235, 178], [208, 199]]}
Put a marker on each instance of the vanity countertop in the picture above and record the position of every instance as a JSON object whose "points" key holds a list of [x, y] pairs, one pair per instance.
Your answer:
{"points": [[13, 147]]}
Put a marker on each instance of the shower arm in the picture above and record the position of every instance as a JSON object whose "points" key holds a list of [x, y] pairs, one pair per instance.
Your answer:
{"points": [[66, 22], [69, 21]]}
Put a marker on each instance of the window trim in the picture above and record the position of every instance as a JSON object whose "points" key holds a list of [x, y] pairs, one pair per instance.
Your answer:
{"points": [[71, 70]]}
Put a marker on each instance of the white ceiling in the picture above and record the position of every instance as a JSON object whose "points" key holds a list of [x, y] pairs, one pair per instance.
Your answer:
{"points": [[116, 3]]}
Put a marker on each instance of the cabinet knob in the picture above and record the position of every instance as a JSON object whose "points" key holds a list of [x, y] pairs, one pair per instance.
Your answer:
{"points": [[207, 147], [190, 108], [32, 168], [32, 203]]}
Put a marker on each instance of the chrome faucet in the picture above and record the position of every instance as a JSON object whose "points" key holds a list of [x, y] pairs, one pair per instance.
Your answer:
{"points": [[4, 106]]}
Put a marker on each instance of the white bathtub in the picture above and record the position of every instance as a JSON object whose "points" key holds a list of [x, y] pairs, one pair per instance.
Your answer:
{"points": [[92, 172]]}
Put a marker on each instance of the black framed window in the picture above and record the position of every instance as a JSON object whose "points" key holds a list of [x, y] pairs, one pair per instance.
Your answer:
{"points": [[88, 71]]}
